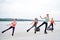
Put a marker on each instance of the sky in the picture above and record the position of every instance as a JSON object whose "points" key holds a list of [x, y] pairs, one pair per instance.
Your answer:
{"points": [[29, 9]]}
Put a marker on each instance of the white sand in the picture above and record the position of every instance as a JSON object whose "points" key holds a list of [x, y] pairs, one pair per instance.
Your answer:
{"points": [[23, 35]]}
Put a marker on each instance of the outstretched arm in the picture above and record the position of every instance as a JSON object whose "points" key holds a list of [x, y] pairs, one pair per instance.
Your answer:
{"points": [[9, 24], [54, 23], [31, 22], [42, 18]]}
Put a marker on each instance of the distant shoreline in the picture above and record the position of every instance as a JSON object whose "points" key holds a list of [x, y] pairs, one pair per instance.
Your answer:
{"points": [[11, 19], [27, 20]]}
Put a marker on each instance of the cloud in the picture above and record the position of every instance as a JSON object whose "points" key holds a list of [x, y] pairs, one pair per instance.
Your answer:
{"points": [[29, 8]]}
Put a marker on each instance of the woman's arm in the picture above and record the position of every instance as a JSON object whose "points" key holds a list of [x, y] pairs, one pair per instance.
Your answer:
{"points": [[32, 22], [54, 23], [42, 18], [10, 24]]}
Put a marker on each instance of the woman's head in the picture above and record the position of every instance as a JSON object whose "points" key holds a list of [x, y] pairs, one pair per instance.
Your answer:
{"points": [[36, 19], [47, 15], [52, 18], [14, 19]]}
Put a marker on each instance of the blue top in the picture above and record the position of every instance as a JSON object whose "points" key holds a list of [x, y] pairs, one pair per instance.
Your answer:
{"points": [[46, 20]]}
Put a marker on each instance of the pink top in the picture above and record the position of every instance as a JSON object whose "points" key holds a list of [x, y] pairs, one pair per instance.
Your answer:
{"points": [[13, 23]]}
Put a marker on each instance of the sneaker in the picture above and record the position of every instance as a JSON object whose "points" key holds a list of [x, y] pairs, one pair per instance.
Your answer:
{"points": [[51, 30], [2, 32], [27, 30], [45, 32], [12, 34], [35, 32]]}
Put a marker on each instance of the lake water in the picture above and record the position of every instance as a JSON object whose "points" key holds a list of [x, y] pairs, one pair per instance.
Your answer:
{"points": [[21, 34]]}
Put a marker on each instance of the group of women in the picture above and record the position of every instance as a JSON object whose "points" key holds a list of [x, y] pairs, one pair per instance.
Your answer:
{"points": [[13, 25]]}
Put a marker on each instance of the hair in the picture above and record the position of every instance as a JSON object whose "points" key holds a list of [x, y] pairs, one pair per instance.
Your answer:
{"points": [[14, 19], [36, 19]]}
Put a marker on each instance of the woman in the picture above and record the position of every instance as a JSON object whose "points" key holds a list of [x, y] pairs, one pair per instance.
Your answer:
{"points": [[45, 22], [13, 25], [34, 25], [51, 24]]}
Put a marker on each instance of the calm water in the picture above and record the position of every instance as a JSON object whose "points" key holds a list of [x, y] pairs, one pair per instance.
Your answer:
{"points": [[21, 34]]}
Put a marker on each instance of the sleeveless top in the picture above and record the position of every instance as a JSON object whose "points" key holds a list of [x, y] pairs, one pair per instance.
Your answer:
{"points": [[35, 23], [46, 20], [52, 21], [14, 24]]}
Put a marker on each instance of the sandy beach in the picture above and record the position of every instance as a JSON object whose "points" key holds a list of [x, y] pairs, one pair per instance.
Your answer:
{"points": [[23, 35]]}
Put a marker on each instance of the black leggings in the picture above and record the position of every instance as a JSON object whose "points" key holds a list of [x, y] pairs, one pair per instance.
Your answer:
{"points": [[32, 27], [8, 29], [50, 25], [45, 26]]}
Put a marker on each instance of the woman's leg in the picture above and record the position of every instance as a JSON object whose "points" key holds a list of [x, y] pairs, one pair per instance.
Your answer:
{"points": [[52, 27], [45, 27], [30, 28], [6, 29], [49, 26], [13, 31], [35, 29], [41, 24]]}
